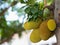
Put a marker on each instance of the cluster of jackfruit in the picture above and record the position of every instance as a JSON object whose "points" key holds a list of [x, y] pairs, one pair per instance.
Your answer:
{"points": [[42, 30]]}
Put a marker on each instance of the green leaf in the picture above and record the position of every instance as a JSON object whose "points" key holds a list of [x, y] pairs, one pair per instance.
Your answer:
{"points": [[49, 2], [34, 10], [22, 1], [41, 5], [31, 2], [0, 33], [40, 13], [27, 10]]}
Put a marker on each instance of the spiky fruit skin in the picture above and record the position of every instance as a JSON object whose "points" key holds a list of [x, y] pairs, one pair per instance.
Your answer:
{"points": [[44, 31], [51, 24], [35, 36], [32, 25]]}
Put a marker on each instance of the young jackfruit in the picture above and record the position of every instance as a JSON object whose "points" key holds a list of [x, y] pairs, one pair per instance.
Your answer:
{"points": [[32, 24], [44, 31], [51, 24], [35, 36]]}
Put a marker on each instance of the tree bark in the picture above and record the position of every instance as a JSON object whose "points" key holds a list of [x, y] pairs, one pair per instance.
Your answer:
{"points": [[57, 18]]}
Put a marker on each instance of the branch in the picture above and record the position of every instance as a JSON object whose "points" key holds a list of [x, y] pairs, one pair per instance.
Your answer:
{"points": [[50, 7], [6, 40]]}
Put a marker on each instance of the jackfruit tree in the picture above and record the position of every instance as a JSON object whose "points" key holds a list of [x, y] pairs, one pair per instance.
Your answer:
{"points": [[41, 19]]}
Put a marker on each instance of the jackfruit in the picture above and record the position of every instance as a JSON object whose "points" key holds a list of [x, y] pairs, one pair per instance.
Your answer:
{"points": [[44, 31], [32, 24], [35, 36], [51, 24]]}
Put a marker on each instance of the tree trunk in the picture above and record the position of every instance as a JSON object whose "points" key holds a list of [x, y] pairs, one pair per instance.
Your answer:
{"points": [[57, 18]]}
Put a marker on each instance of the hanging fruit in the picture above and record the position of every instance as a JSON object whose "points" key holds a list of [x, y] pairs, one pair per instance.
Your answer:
{"points": [[44, 31], [32, 24], [51, 24], [35, 36]]}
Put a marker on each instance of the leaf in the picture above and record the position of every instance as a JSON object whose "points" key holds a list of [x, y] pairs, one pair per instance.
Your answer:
{"points": [[22, 1], [41, 5], [49, 2], [34, 10], [0, 33], [27, 10], [31, 2], [40, 13]]}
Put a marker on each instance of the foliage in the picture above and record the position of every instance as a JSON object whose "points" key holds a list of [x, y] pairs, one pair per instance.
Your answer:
{"points": [[31, 13]]}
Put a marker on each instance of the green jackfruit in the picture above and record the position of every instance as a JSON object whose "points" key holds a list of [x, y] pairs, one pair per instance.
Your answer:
{"points": [[44, 31], [32, 24], [35, 36]]}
